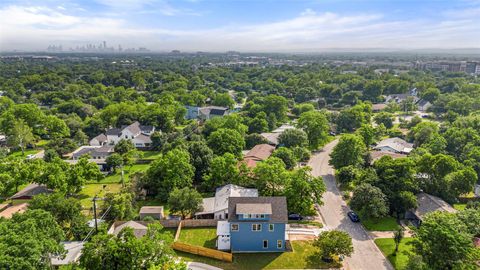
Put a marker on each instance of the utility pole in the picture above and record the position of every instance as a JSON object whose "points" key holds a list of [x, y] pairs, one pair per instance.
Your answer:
{"points": [[95, 213]]}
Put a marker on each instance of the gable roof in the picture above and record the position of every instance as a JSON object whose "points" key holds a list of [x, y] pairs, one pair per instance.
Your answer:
{"points": [[113, 131], [100, 138], [278, 207], [428, 203], [31, 190], [260, 152], [151, 210], [254, 208], [74, 251], [10, 211], [139, 229], [134, 128], [271, 137], [396, 144]]}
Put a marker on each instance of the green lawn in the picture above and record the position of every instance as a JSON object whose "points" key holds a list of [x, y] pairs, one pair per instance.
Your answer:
{"points": [[387, 246], [382, 224], [90, 190], [18, 153], [300, 258], [151, 155], [129, 170], [307, 222], [460, 206], [204, 237]]}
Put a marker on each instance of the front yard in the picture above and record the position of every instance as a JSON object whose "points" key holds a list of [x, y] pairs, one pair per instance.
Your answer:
{"points": [[90, 190], [382, 224], [300, 258], [405, 249]]}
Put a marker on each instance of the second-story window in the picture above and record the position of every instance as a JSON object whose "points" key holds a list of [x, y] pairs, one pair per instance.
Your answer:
{"points": [[234, 227], [271, 227], [256, 227]]}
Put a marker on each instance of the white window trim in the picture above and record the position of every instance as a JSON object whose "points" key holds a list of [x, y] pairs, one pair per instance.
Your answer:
{"points": [[263, 244], [258, 226], [271, 227], [281, 244], [231, 227]]}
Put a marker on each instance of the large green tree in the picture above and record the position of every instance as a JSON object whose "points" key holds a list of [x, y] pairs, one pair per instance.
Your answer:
{"points": [[350, 150], [185, 201], [333, 243], [28, 240], [301, 184], [315, 124], [369, 201], [226, 141]]}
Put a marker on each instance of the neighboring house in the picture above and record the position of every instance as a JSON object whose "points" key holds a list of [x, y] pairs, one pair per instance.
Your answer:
{"points": [[217, 207], [256, 224], [395, 145], [272, 137], [3, 140], [4, 206], [399, 98], [376, 155], [476, 191], [192, 112], [423, 105], [10, 211], [95, 152], [210, 112], [74, 251], [258, 153], [427, 204], [139, 135], [30, 191], [379, 107], [139, 229], [155, 212]]}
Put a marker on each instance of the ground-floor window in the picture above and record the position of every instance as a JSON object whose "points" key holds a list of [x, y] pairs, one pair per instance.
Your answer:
{"points": [[279, 244], [265, 243]]}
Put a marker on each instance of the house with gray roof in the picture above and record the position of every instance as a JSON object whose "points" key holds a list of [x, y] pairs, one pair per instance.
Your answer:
{"points": [[138, 134], [426, 204], [139, 228], [30, 191], [394, 145], [255, 224], [74, 251]]}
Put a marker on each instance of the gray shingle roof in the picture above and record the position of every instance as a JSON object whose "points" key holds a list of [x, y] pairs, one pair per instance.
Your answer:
{"points": [[428, 203], [254, 208], [31, 190], [113, 131], [278, 207]]}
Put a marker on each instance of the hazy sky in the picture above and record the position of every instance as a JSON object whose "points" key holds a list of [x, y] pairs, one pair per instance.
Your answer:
{"points": [[220, 25]]}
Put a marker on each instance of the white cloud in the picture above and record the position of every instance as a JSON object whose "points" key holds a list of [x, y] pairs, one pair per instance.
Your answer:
{"points": [[37, 27]]}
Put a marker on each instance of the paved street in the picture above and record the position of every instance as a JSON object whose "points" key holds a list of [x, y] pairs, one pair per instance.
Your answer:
{"points": [[366, 255]]}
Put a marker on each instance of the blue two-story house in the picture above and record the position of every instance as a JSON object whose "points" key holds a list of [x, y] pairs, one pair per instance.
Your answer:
{"points": [[257, 224]]}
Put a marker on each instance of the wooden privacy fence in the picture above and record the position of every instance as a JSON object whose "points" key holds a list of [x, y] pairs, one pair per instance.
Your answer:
{"points": [[203, 251]]}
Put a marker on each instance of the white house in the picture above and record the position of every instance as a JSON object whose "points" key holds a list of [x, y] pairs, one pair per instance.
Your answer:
{"points": [[395, 145], [217, 207], [139, 135]]}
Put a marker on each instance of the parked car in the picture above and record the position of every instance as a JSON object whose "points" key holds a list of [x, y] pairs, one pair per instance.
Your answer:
{"points": [[353, 217], [31, 156], [332, 133], [295, 217]]}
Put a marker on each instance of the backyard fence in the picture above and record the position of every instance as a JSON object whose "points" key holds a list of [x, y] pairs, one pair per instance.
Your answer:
{"points": [[171, 223], [203, 251]]}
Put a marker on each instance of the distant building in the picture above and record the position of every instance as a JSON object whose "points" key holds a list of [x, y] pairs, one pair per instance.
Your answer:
{"points": [[205, 113], [427, 204], [74, 251], [14, 209], [423, 105], [376, 155], [258, 153], [217, 207], [138, 134], [139, 228], [395, 145], [156, 212], [30, 191], [256, 224], [272, 137]]}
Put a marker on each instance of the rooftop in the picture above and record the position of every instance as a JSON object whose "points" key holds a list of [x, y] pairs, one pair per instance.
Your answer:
{"points": [[10, 211], [31, 190], [151, 210], [278, 207], [397, 144], [254, 208], [74, 251], [428, 203], [260, 152], [222, 195]]}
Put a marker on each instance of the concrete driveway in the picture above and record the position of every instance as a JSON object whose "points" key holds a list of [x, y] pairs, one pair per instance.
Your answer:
{"points": [[366, 254]]}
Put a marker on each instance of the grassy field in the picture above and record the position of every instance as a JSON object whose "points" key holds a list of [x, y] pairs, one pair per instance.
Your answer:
{"points": [[128, 170], [151, 155], [382, 224], [90, 190], [300, 258], [18, 153], [387, 246], [460, 206], [204, 237]]}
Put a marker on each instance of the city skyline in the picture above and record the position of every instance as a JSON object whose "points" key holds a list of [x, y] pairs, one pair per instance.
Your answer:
{"points": [[266, 26]]}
